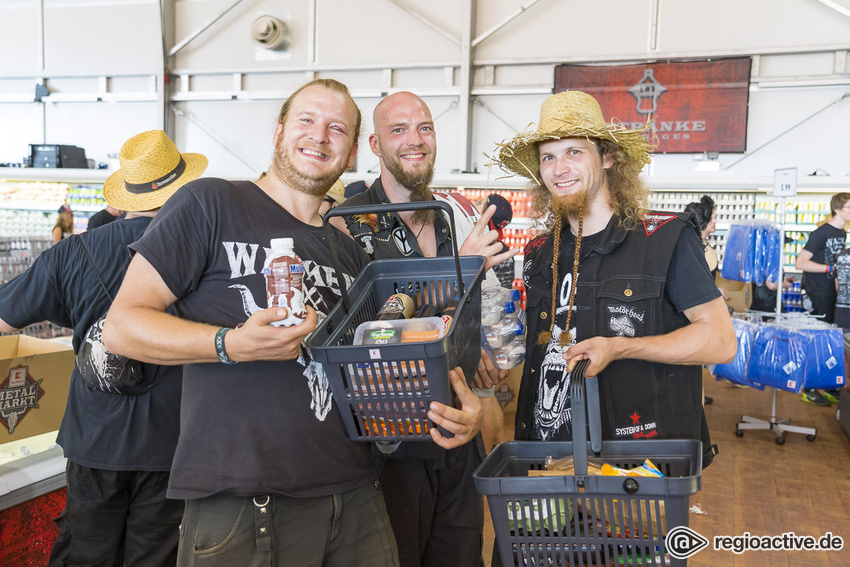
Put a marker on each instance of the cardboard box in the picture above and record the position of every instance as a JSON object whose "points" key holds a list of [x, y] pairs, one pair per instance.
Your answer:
{"points": [[506, 392], [34, 378], [740, 293]]}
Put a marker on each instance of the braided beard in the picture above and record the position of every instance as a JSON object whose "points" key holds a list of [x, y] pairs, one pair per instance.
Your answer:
{"points": [[417, 182], [422, 193]]}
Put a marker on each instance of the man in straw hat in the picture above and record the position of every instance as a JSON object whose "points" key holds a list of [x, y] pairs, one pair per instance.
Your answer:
{"points": [[119, 448], [628, 289], [263, 459]]}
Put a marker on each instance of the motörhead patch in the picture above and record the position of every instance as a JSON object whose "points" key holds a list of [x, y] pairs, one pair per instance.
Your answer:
{"points": [[623, 320], [654, 221]]}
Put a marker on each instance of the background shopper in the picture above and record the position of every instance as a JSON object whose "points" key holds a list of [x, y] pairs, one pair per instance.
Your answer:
{"points": [[64, 226], [817, 262], [119, 447], [104, 216]]}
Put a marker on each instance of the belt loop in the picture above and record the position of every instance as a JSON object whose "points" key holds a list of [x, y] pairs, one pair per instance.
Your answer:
{"points": [[263, 522]]}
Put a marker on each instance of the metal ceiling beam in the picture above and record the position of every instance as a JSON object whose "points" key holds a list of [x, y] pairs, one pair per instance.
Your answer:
{"points": [[427, 22], [201, 29], [835, 6], [465, 99], [511, 17]]}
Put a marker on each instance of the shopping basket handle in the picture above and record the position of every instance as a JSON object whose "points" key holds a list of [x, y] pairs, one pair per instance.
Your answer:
{"points": [[584, 394], [387, 208]]}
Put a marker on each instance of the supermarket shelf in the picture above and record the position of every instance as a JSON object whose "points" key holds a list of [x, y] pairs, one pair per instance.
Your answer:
{"points": [[64, 174], [49, 207], [496, 180], [721, 226]]}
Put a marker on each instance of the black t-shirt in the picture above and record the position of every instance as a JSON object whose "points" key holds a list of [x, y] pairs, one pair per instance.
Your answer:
{"points": [[254, 427], [688, 284], [99, 430], [764, 299], [842, 303], [100, 218], [825, 242]]}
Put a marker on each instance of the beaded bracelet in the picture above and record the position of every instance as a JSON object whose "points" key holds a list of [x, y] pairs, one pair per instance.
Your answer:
{"points": [[219, 346]]}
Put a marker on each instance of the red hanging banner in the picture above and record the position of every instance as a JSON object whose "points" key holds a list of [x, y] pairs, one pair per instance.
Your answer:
{"points": [[698, 106]]}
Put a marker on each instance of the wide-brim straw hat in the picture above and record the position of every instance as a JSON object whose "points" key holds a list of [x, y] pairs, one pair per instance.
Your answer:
{"points": [[337, 191], [151, 171], [569, 114]]}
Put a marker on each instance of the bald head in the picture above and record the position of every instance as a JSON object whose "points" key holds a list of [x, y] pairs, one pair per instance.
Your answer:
{"points": [[399, 102], [404, 139]]}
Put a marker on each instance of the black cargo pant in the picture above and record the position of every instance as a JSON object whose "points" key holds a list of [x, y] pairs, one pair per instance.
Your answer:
{"points": [[435, 512], [117, 518]]}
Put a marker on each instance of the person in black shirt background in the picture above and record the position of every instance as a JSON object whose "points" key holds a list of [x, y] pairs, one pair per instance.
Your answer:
{"points": [[119, 447], [817, 262], [104, 216]]}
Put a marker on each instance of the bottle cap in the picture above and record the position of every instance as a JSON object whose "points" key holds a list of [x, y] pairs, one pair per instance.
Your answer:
{"points": [[284, 243]]}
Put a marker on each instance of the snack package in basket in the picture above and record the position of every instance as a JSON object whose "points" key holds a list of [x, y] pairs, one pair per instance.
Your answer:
{"points": [[528, 516], [633, 512]]}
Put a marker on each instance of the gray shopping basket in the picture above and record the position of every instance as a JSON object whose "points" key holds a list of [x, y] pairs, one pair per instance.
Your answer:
{"points": [[586, 519], [384, 393]]}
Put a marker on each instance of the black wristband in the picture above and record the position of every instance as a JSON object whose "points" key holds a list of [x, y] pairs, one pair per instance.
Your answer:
{"points": [[219, 346]]}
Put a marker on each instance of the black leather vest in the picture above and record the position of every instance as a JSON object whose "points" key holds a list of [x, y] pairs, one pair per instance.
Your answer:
{"points": [[621, 291]]}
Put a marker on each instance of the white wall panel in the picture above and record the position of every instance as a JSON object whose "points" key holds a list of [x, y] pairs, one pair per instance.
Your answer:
{"points": [[723, 25], [553, 28], [209, 127], [20, 36], [796, 65], [358, 41], [819, 143], [20, 125], [378, 31], [102, 36], [99, 128], [227, 44]]}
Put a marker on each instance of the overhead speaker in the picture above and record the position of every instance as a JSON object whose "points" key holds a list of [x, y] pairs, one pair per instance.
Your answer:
{"points": [[270, 33]]}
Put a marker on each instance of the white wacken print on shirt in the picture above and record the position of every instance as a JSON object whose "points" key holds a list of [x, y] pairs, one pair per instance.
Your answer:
{"points": [[318, 280]]}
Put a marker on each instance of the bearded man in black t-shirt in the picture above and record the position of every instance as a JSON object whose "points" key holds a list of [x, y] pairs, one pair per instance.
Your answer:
{"points": [[627, 289], [263, 459]]}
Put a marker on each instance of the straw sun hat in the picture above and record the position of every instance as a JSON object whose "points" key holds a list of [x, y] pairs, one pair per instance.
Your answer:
{"points": [[337, 191], [151, 171], [569, 114]]}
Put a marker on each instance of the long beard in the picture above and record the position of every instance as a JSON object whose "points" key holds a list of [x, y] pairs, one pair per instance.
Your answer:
{"points": [[571, 206], [418, 182], [303, 182]]}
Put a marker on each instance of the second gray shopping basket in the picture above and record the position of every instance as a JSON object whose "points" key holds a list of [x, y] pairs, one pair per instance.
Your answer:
{"points": [[581, 519]]}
